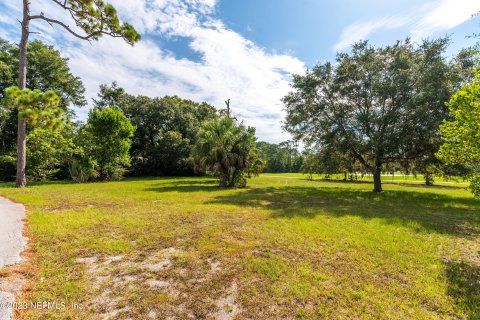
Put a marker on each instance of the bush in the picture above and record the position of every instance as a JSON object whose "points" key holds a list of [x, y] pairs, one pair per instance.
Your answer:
{"points": [[475, 185], [83, 170]]}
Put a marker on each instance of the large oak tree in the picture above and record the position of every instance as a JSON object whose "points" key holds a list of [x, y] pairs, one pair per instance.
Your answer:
{"points": [[377, 105]]}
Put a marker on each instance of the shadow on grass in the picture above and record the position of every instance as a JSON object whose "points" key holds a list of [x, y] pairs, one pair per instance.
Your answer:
{"points": [[464, 286], [11, 185], [205, 184], [388, 182], [419, 208], [432, 211]]}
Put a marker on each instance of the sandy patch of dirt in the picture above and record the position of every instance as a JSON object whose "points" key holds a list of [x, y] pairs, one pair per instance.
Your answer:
{"points": [[227, 308], [170, 273]]}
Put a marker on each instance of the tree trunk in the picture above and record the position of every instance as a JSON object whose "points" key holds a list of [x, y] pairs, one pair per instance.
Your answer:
{"points": [[22, 84], [377, 178], [222, 180]]}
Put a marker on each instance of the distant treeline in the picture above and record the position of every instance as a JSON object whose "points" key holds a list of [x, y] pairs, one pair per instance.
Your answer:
{"points": [[279, 158], [158, 134], [403, 107]]}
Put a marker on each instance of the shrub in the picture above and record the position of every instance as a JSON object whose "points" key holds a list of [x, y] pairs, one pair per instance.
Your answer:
{"points": [[83, 170], [475, 185]]}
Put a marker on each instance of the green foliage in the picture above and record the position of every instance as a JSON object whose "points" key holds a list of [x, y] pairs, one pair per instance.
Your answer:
{"points": [[311, 165], [46, 70], [106, 140], [475, 185], [376, 105], [7, 133], [225, 148], [8, 164], [113, 96], [166, 130], [37, 108], [256, 165], [461, 135], [83, 169], [97, 18], [48, 151], [282, 157], [170, 154]]}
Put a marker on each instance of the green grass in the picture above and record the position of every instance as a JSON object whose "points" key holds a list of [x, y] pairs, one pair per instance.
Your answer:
{"points": [[284, 247], [397, 178]]}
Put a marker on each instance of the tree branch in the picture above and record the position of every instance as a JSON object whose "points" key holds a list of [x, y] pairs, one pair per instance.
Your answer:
{"points": [[60, 23]]}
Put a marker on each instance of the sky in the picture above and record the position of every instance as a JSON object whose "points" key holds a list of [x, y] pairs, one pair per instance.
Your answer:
{"points": [[243, 50]]}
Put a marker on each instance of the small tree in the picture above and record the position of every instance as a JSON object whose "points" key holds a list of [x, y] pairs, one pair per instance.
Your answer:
{"points": [[94, 18], [106, 140], [225, 147], [35, 108], [461, 136]]}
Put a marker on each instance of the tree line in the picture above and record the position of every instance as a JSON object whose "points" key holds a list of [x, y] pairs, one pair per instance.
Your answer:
{"points": [[375, 110], [123, 135], [403, 106]]}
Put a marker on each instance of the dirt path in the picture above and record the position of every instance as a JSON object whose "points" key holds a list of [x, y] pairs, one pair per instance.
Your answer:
{"points": [[12, 244]]}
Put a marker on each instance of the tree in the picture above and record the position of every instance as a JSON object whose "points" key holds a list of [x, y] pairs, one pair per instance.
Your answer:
{"points": [[95, 18], [35, 107], [282, 157], [106, 140], [461, 135], [377, 105], [113, 96], [256, 164], [47, 70], [225, 148], [158, 121], [166, 130]]}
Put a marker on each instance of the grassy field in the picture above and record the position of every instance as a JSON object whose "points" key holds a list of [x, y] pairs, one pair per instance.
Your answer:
{"points": [[284, 247], [399, 178]]}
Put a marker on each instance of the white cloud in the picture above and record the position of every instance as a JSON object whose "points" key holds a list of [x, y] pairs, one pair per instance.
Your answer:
{"points": [[361, 30], [420, 22], [444, 16], [231, 66]]}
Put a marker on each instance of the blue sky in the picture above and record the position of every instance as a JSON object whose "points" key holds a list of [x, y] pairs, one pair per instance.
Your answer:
{"points": [[245, 50], [309, 29]]}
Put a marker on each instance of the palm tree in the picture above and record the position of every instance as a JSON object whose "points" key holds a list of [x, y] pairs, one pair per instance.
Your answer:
{"points": [[224, 147]]}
